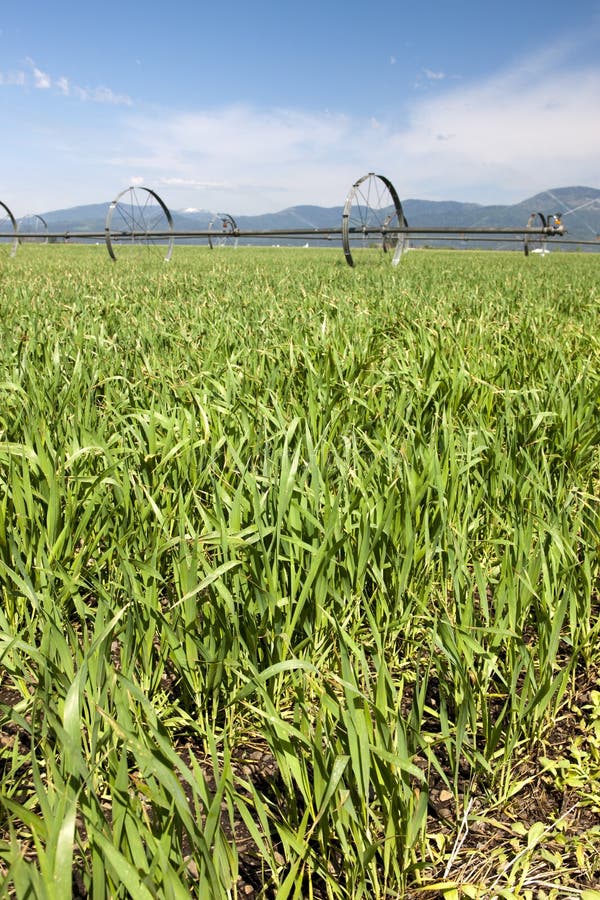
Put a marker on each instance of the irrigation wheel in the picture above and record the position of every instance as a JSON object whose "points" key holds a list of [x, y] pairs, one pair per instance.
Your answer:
{"points": [[34, 229], [138, 219], [371, 207], [8, 230], [532, 242], [223, 231]]}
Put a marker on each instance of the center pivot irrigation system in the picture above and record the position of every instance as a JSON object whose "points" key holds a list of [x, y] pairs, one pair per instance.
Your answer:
{"points": [[372, 216]]}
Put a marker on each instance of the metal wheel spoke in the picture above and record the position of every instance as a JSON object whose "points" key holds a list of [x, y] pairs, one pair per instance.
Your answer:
{"points": [[225, 231], [138, 219], [33, 229], [372, 206]]}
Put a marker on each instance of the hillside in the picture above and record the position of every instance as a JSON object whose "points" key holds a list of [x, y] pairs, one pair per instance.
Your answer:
{"points": [[579, 205]]}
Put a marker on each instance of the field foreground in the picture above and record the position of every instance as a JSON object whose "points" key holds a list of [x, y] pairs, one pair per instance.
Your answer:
{"points": [[300, 575]]}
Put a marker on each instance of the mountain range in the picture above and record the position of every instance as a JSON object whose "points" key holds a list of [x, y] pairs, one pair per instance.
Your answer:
{"points": [[579, 207]]}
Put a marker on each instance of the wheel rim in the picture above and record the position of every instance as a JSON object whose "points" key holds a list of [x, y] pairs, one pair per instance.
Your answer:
{"points": [[222, 231], [138, 220], [371, 207], [8, 230], [532, 242], [36, 229]]}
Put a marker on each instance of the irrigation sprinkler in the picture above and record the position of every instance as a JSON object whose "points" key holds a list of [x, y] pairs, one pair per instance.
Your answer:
{"points": [[373, 208], [8, 229], [222, 231], [33, 229], [138, 219], [535, 243]]}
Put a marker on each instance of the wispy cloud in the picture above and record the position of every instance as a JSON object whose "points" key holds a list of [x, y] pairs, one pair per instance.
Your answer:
{"points": [[240, 151], [40, 79], [527, 128], [533, 124], [434, 76], [12, 78], [232, 139], [427, 78], [102, 95], [194, 183], [35, 77]]}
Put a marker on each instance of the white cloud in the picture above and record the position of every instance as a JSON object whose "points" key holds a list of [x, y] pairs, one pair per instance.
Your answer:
{"points": [[106, 95], [62, 84], [194, 183], [12, 78], [534, 125], [259, 159], [434, 76], [40, 79], [531, 127], [101, 95]]}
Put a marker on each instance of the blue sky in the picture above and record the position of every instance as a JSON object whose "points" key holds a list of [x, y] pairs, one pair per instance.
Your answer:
{"points": [[254, 107]]}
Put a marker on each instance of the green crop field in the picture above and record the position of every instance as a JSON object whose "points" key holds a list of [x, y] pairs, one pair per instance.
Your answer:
{"points": [[300, 575]]}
